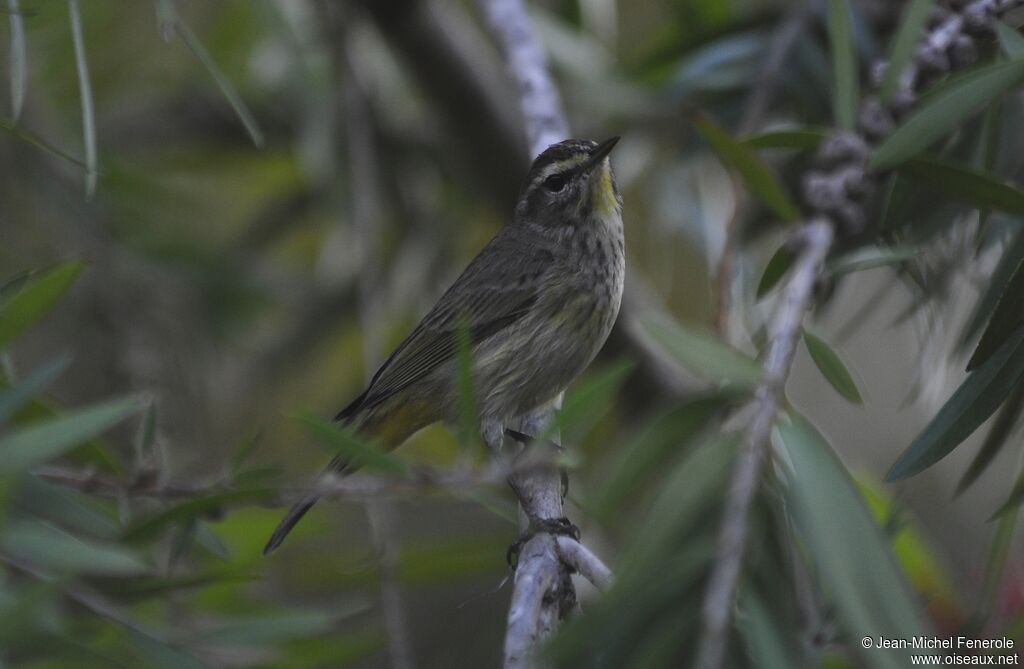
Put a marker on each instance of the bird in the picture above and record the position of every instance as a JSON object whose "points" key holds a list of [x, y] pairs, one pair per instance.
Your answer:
{"points": [[537, 304]]}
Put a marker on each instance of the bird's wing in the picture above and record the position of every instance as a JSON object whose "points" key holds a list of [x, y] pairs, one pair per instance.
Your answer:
{"points": [[497, 289]]}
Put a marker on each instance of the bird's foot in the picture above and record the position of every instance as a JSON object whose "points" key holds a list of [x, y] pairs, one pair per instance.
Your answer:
{"points": [[554, 526]]}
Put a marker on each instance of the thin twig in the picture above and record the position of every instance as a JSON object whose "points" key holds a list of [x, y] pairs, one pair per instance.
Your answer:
{"points": [[19, 60], [85, 92], [816, 239], [590, 567]]}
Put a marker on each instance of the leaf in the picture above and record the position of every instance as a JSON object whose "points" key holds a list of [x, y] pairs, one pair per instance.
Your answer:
{"points": [[976, 188], [41, 442], [970, 406], [85, 92], [226, 87], [12, 399], [646, 454], [777, 267], [184, 512], [1015, 500], [805, 139], [911, 26], [345, 442], [278, 626], [844, 64], [765, 640], [832, 368], [469, 415], [867, 588], [35, 299], [588, 403], [995, 439], [52, 548], [19, 61], [870, 257], [997, 285], [159, 653], [944, 108], [40, 143], [703, 353], [1010, 40], [1006, 318], [757, 175]]}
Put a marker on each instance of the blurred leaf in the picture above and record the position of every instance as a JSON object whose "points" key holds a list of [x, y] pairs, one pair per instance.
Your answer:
{"points": [[972, 403], [869, 257], [1007, 317], [766, 643], [995, 566], [756, 174], [469, 416], [1010, 40], [42, 442], [648, 453], [867, 588], [226, 87], [67, 508], [184, 512], [146, 436], [210, 540], [845, 71], [1015, 500], [996, 438], [703, 353], [342, 440], [777, 267], [976, 188], [19, 61], [35, 299], [12, 399], [585, 405], [911, 26], [832, 368], [245, 450], [85, 93], [51, 548], [730, 62], [160, 653], [997, 286], [804, 139], [944, 107]]}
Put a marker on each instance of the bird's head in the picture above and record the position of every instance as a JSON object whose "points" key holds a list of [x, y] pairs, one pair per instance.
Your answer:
{"points": [[570, 183]]}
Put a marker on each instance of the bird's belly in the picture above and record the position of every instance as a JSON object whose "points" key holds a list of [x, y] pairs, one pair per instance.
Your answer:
{"points": [[542, 354]]}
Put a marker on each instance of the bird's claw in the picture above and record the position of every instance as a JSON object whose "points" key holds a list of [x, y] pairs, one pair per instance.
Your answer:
{"points": [[554, 526]]}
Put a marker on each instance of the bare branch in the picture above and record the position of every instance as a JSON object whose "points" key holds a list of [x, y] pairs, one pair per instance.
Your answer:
{"points": [[579, 557]]}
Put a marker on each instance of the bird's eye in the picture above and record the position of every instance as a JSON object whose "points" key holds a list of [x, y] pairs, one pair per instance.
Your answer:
{"points": [[554, 183]]}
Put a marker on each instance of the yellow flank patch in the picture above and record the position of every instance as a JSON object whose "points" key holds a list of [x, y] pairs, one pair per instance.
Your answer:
{"points": [[394, 424]]}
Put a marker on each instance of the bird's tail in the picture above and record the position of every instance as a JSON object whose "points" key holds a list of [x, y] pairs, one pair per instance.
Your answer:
{"points": [[293, 516]]}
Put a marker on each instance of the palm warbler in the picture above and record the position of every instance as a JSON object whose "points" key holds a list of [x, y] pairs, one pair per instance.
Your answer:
{"points": [[537, 302]]}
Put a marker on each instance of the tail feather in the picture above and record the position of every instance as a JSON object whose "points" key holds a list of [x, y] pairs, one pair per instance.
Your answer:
{"points": [[293, 516]]}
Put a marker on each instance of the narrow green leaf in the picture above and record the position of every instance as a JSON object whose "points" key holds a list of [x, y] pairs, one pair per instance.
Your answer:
{"points": [[225, 85], [804, 139], [146, 528], [55, 549], [1010, 40], [1006, 319], [342, 440], [981, 190], [995, 566], [832, 368], [973, 402], [278, 626], [85, 92], [41, 442], [765, 640], [845, 71], [159, 653], [944, 108], [911, 27], [1015, 500], [648, 453], [585, 405], [703, 353], [469, 416], [35, 299], [145, 438], [869, 257], [757, 175], [39, 143], [841, 538], [777, 266], [19, 60], [997, 435], [12, 399]]}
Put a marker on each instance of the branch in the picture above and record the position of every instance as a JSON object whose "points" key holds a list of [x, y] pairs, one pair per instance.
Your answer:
{"points": [[579, 557], [836, 194]]}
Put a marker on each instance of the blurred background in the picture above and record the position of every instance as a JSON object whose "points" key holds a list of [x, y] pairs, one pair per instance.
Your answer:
{"points": [[285, 187]]}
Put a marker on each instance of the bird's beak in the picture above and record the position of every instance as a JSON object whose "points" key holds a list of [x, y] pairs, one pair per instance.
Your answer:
{"points": [[602, 150]]}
